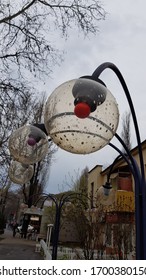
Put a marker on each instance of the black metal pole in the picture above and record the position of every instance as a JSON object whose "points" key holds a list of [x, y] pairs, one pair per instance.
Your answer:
{"points": [[59, 203], [56, 232], [56, 223], [114, 68], [140, 254]]}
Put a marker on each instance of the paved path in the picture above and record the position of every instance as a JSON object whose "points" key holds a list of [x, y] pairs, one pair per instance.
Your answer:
{"points": [[16, 248]]}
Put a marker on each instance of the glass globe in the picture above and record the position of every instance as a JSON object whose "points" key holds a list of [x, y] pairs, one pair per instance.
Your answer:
{"points": [[105, 200], [20, 173], [80, 135], [28, 144]]}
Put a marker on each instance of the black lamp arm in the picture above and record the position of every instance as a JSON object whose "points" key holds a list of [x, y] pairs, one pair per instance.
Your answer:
{"points": [[114, 68]]}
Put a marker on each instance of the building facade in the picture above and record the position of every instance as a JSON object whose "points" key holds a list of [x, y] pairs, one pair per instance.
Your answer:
{"points": [[118, 236]]}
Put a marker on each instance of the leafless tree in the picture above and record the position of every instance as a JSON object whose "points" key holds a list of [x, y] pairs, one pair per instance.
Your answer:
{"points": [[89, 226], [77, 181], [126, 129], [122, 240], [27, 53], [28, 109], [16, 110], [26, 34]]}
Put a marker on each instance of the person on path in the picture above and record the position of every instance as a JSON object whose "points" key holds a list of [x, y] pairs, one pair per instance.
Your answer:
{"points": [[15, 225]]}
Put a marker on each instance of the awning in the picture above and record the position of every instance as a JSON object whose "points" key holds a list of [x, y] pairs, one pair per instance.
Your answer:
{"points": [[33, 211]]}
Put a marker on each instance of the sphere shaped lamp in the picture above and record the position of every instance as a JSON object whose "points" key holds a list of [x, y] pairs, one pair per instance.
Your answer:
{"points": [[20, 173], [81, 116], [28, 144]]}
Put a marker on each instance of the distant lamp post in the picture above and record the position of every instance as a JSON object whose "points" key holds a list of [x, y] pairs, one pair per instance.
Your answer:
{"points": [[59, 202]]}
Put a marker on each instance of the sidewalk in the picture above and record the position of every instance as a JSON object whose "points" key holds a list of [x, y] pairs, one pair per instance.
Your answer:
{"points": [[16, 248]]}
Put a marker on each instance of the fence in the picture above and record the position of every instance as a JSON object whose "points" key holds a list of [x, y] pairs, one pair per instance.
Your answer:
{"points": [[65, 253]]}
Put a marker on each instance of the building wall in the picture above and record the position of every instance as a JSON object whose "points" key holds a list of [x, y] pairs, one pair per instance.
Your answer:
{"points": [[97, 177], [137, 160], [67, 233], [120, 202]]}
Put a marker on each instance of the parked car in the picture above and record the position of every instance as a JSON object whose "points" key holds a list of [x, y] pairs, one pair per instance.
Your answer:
{"points": [[29, 230]]}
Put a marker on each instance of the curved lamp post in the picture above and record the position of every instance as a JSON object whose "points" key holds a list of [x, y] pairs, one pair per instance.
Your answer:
{"points": [[59, 202], [91, 125], [81, 116], [138, 172]]}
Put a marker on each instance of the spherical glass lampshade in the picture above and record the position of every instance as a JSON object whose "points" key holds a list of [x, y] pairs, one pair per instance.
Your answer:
{"points": [[20, 173], [28, 144], [80, 135], [107, 201]]}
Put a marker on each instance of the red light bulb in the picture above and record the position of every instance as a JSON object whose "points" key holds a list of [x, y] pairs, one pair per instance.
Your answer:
{"points": [[82, 110]]}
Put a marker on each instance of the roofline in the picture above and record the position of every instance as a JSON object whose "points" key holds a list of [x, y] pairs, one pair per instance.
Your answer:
{"points": [[97, 165], [120, 160]]}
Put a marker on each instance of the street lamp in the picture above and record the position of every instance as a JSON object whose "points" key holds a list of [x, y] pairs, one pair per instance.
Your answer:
{"points": [[91, 125], [20, 173], [59, 202], [84, 134], [81, 116], [28, 144]]}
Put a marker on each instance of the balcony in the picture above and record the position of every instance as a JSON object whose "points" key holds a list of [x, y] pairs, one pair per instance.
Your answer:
{"points": [[122, 181]]}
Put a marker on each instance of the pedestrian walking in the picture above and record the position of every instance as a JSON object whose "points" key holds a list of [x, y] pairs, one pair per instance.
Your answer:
{"points": [[15, 225]]}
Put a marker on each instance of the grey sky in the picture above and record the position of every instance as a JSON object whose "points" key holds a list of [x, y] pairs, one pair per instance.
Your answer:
{"points": [[121, 40]]}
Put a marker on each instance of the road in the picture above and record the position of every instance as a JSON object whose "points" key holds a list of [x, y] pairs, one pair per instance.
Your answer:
{"points": [[16, 248]]}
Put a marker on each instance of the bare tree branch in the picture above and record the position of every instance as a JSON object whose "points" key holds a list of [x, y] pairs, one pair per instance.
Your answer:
{"points": [[126, 129], [21, 11]]}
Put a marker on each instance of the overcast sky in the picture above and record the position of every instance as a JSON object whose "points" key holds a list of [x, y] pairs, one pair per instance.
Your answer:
{"points": [[122, 41]]}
